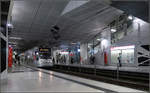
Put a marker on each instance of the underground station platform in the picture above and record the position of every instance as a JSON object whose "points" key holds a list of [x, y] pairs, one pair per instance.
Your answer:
{"points": [[74, 46], [25, 78]]}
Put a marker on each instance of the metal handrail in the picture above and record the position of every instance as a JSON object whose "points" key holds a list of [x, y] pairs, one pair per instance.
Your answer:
{"points": [[95, 69], [117, 70], [144, 62]]}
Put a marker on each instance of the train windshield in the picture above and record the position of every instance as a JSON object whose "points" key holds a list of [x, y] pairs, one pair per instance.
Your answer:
{"points": [[45, 56]]}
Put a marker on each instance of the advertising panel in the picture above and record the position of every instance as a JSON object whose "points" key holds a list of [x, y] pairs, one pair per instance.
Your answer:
{"points": [[126, 53]]}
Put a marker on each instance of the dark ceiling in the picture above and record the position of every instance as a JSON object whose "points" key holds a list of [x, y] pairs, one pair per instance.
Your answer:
{"points": [[4, 13], [138, 9], [34, 20]]}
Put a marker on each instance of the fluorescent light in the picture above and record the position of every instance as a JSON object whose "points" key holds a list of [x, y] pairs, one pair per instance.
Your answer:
{"points": [[104, 43], [28, 56], [73, 43], [130, 17], [123, 47], [65, 53], [37, 53], [97, 29], [15, 38], [113, 30], [78, 50], [9, 25], [98, 39]]}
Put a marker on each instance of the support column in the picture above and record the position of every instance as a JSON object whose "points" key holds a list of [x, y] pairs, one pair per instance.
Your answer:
{"points": [[83, 53]]}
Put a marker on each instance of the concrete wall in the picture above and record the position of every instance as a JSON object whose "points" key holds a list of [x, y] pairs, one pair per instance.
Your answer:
{"points": [[133, 37], [83, 53], [99, 56], [3, 75], [137, 34], [105, 47], [140, 35]]}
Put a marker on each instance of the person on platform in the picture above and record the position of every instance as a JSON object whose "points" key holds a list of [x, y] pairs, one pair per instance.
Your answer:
{"points": [[119, 60], [72, 60], [92, 59], [53, 60]]}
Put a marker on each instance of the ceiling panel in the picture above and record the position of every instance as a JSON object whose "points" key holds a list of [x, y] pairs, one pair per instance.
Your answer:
{"points": [[23, 8], [33, 20], [88, 28]]}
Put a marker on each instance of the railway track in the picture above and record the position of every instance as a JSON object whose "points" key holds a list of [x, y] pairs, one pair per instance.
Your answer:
{"points": [[135, 80]]}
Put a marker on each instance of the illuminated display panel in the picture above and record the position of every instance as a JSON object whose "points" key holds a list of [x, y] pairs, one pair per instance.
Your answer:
{"points": [[44, 50], [44, 53], [127, 54], [114, 55]]}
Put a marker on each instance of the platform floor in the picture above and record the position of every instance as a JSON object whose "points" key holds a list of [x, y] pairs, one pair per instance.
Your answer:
{"points": [[25, 79]]}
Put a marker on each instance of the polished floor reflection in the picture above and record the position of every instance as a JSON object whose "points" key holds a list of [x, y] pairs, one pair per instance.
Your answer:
{"points": [[22, 79], [40, 82]]}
